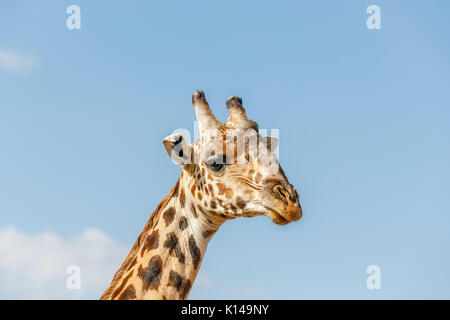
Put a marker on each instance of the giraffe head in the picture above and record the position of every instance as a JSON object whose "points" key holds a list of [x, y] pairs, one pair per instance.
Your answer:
{"points": [[232, 171]]}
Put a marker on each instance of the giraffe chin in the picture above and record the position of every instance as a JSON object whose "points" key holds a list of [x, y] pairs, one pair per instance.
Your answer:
{"points": [[291, 214]]}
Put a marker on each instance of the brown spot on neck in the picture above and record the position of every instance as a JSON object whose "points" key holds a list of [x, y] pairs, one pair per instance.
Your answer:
{"points": [[173, 246], [183, 223], [182, 198], [195, 251], [168, 215], [152, 242], [182, 285], [151, 275]]}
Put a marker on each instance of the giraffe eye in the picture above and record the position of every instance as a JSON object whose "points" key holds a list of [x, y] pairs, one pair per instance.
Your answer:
{"points": [[216, 164]]}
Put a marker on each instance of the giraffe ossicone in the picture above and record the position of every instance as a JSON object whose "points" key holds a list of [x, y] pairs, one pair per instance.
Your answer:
{"points": [[231, 171]]}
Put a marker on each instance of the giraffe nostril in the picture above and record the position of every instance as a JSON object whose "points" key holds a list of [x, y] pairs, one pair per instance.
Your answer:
{"points": [[282, 192], [286, 193]]}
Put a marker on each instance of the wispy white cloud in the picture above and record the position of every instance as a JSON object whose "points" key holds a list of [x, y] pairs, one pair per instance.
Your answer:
{"points": [[33, 266], [14, 62]]}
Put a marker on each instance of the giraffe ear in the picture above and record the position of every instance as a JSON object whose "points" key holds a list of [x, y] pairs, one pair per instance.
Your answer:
{"points": [[271, 142], [178, 149]]}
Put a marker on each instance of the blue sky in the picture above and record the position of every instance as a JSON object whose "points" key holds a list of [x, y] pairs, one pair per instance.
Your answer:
{"points": [[364, 136]]}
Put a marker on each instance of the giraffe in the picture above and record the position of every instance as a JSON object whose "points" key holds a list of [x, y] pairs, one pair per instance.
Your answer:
{"points": [[230, 172]]}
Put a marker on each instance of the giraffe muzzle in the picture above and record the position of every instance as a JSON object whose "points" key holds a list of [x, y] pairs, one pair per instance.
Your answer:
{"points": [[283, 204]]}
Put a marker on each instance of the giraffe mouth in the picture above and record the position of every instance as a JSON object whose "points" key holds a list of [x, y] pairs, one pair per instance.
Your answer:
{"points": [[277, 217]]}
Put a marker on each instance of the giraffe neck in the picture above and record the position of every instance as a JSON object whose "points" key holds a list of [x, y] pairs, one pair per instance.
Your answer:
{"points": [[166, 257]]}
